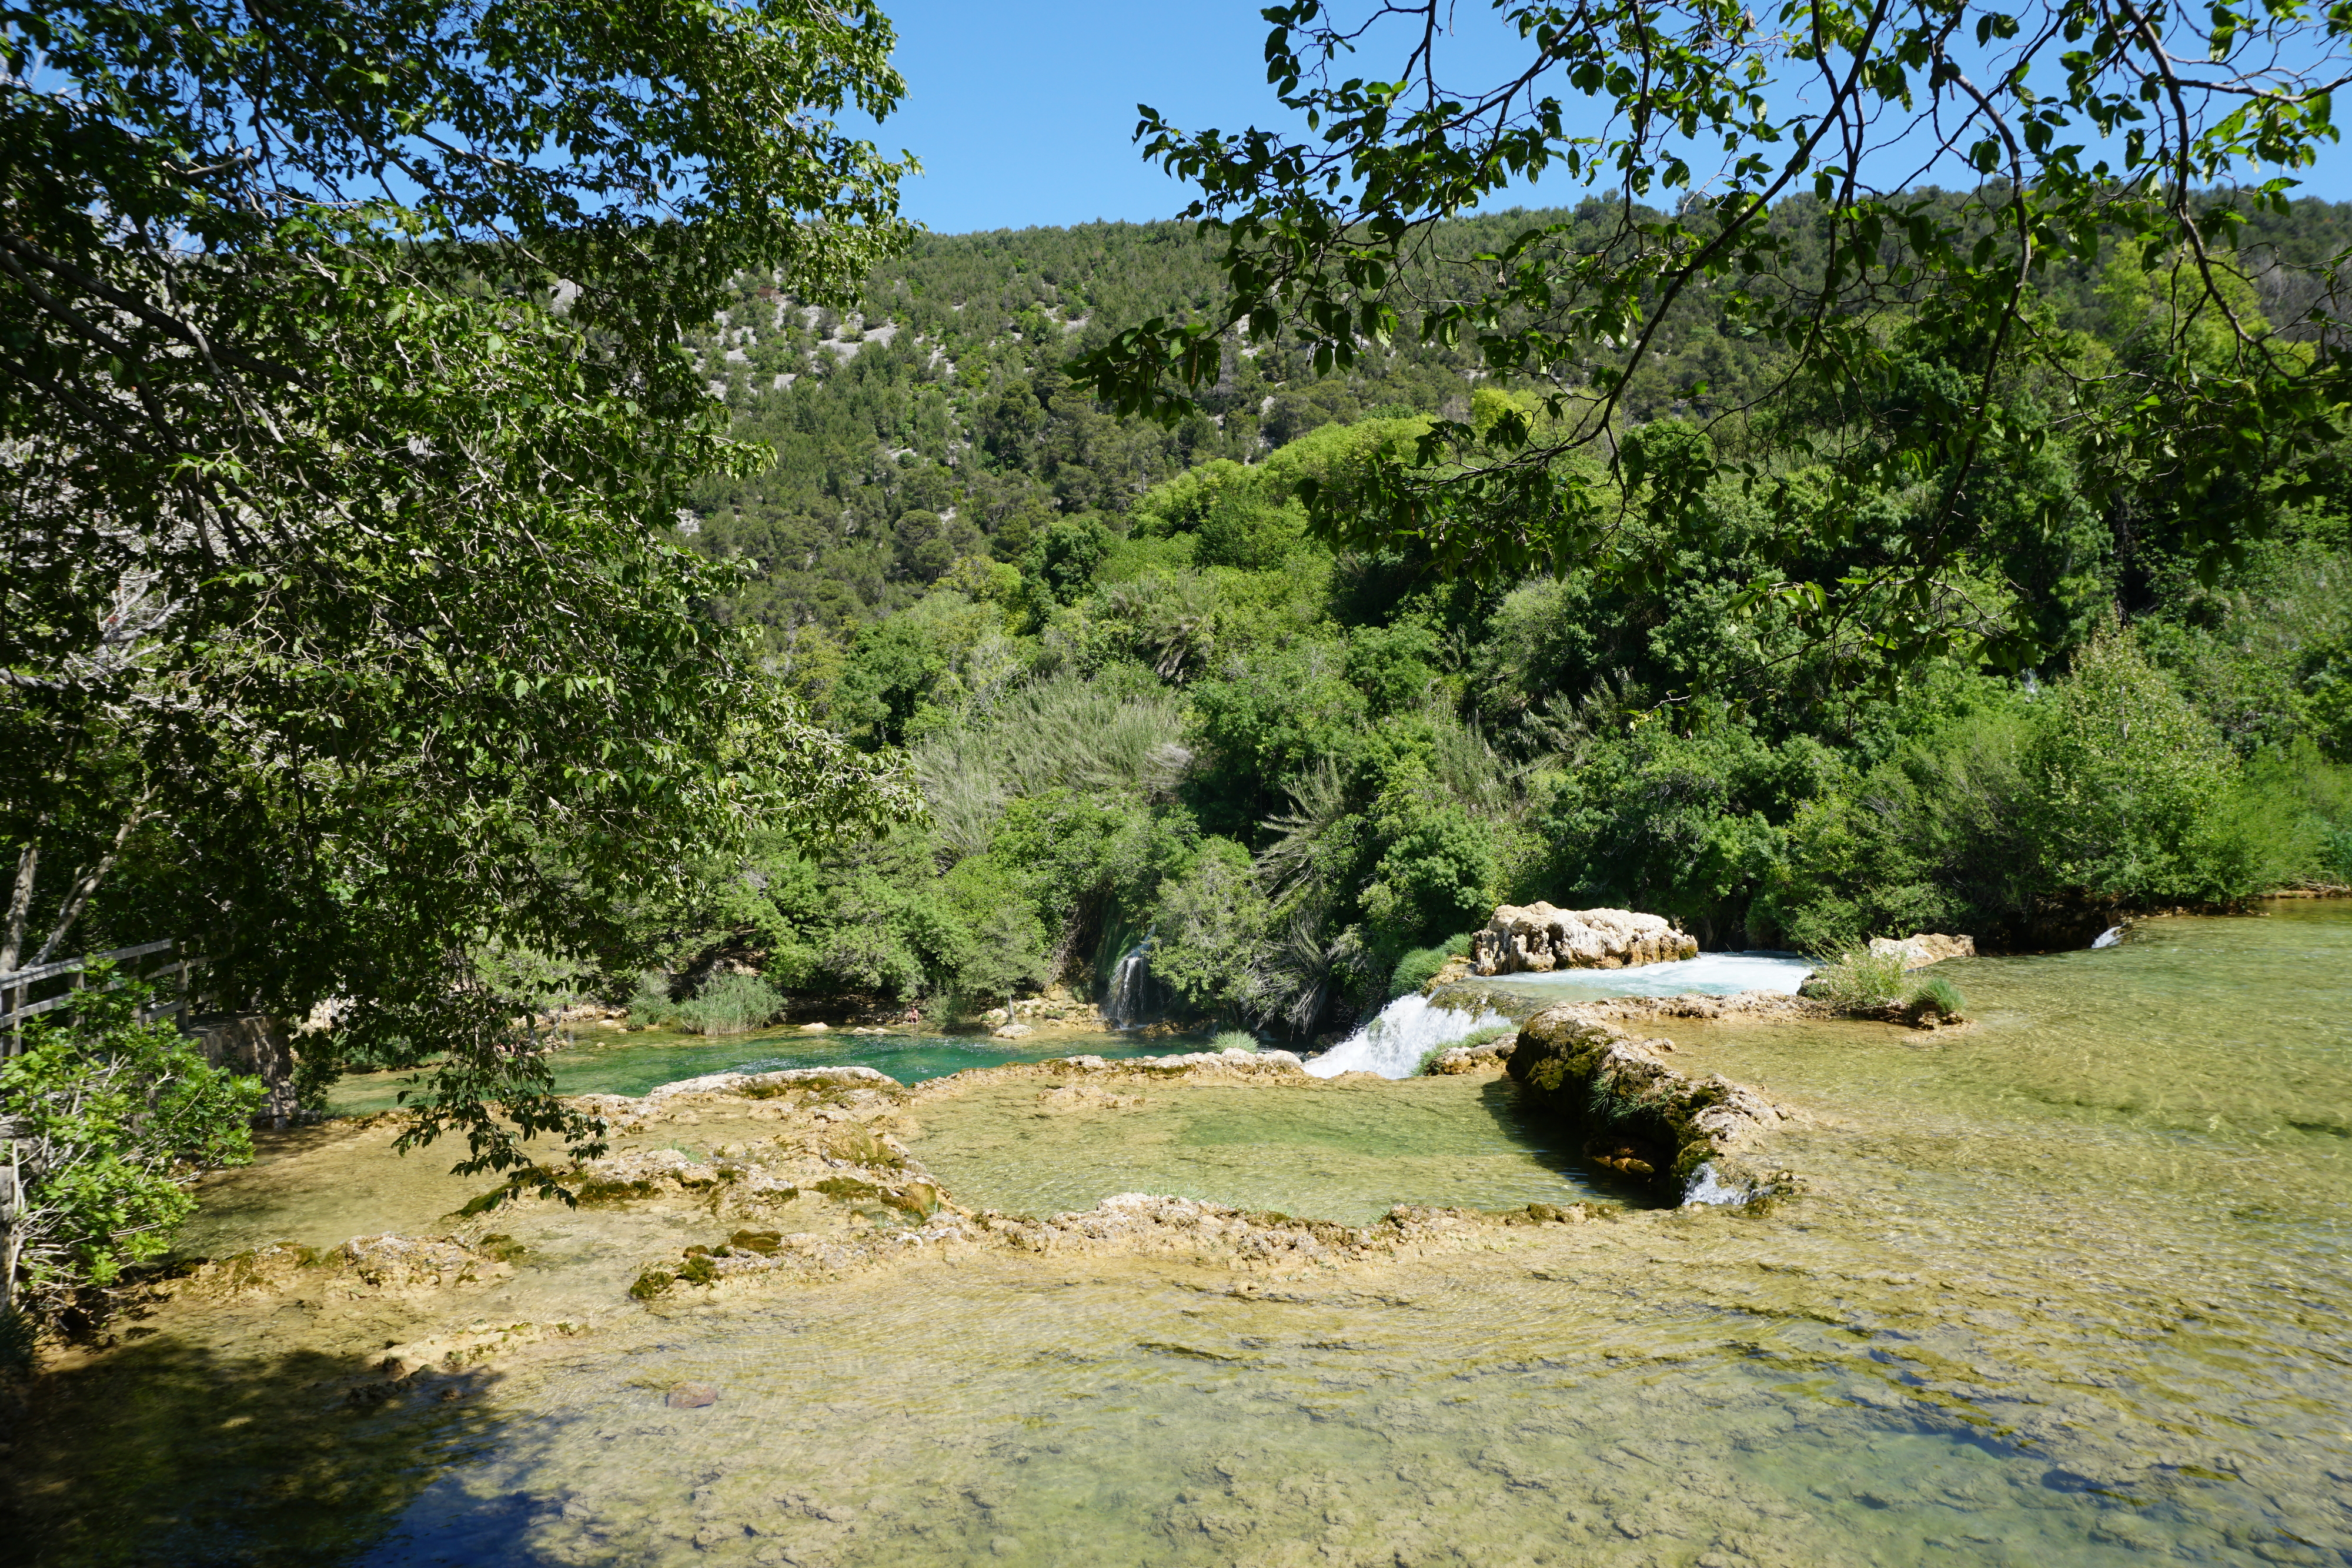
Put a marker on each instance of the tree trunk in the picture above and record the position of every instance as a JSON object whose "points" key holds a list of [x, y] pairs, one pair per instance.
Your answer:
{"points": [[12, 1210]]}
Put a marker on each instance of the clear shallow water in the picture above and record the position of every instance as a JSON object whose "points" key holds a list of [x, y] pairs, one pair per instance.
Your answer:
{"points": [[603, 1061], [1344, 1152], [2068, 1287]]}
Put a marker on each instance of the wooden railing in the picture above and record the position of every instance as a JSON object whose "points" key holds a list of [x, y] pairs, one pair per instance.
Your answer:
{"points": [[15, 986]]}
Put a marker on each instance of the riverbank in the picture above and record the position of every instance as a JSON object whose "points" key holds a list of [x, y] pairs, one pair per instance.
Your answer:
{"points": [[2056, 1289]]}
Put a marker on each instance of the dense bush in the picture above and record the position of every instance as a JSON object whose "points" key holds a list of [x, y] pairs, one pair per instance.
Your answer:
{"points": [[1416, 968], [1858, 980], [726, 1002], [112, 1115]]}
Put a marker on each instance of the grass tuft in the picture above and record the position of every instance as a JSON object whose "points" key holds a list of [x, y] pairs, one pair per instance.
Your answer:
{"points": [[1936, 997]]}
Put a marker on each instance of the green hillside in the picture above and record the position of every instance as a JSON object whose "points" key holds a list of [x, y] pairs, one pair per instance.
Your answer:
{"points": [[1144, 702]]}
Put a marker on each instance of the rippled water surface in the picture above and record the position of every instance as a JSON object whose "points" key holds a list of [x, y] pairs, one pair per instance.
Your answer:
{"points": [[1345, 1151], [2069, 1286], [610, 1061]]}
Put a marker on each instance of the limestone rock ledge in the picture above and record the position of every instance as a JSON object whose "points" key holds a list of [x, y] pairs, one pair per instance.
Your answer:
{"points": [[1641, 1116], [387, 1265], [1924, 947], [1538, 938], [1132, 1225]]}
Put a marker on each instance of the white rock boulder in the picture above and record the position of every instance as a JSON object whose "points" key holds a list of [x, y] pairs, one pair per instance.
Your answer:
{"points": [[1537, 939], [1924, 948]]}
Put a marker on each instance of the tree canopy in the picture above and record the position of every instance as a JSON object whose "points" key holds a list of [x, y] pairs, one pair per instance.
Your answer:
{"points": [[1759, 171], [345, 422]]}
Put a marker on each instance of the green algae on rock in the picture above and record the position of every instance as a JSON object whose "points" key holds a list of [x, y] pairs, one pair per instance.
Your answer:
{"points": [[1641, 1116]]}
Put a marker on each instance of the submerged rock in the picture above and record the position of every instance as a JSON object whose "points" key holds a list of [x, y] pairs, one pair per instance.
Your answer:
{"points": [[1643, 1117], [1537, 939], [1084, 1097]]}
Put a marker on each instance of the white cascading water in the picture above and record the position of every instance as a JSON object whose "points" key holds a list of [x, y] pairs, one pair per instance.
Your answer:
{"points": [[2111, 937], [1707, 1186], [1394, 1043], [1127, 998], [1710, 974]]}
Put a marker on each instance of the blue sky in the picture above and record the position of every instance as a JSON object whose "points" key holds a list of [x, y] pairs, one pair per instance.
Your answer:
{"points": [[1022, 110]]}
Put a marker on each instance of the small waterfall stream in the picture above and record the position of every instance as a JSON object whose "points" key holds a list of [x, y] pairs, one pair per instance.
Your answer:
{"points": [[1408, 1029], [1129, 998]]}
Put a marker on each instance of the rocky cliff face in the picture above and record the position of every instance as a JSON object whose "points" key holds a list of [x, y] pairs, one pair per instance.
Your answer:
{"points": [[1537, 939]]}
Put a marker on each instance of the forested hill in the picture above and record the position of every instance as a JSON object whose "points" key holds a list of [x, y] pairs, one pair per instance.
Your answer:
{"points": [[934, 424], [1146, 707]]}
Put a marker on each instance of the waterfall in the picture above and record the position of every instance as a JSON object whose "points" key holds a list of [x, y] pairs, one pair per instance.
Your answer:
{"points": [[2110, 937], [1129, 997], [1408, 1029]]}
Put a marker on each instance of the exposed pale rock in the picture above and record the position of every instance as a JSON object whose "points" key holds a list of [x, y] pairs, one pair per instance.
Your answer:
{"points": [[456, 1350], [1537, 939], [1014, 1032], [1450, 972], [407, 1262], [1698, 1005], [718, 1083], [1056, 1008], [1459, 1059], [1924, 948], [818, 1028], [1212, 1063]]}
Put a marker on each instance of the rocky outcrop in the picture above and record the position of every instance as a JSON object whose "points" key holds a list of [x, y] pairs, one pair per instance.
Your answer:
{"points": [[1641, 1116], [1197, 1063], [260, 1046], [1537, 939], [1028, 1014], [1924, 948], [1459, 1059], [385, 1265], [1698, 1005], [1452, 972]]}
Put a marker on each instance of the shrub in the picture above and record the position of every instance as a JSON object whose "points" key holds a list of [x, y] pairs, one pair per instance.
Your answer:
{"points": [[2129, 790], [112, 1116], [1213, 923], [1413, 970], [650, 1006], [1438, 872], [1858, 980], [1234, 1039], [1939, 997], [729, 1004]]}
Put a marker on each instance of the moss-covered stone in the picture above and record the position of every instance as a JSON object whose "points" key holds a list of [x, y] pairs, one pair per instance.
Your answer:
{"points": [[1643, 1118]]}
